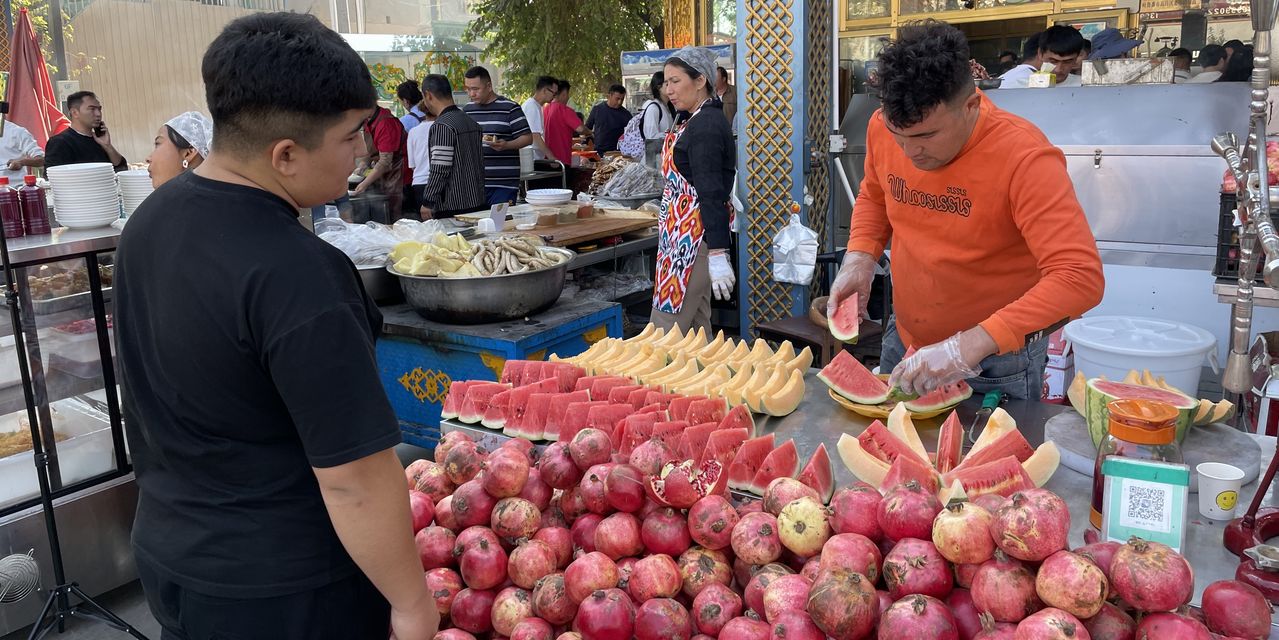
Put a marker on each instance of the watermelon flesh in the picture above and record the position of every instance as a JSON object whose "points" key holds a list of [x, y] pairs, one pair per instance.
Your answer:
{"points": [[782, 462], [605, 417], [477, 401], [567, 375], [1004, 476], [950, 443], [531, 373], [940, 398], [638, 429], [534, 426], [576, 417], [877, 441], [512, 371], [636, 397], [1010, 443], [851, 379], [495, 416], [622, 394], [584, 383], [746, 464], [672, 433], [739, 417], [559, 407], [818, 475], [601, 387], [710, 410], [453, 401], [695, 438], [723, 445], [906, 469], [1099, 393], [679, 406], [657, 397], [845, 323]]}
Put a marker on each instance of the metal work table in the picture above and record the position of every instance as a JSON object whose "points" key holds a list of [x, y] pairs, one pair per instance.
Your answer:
{"points": [[622, 249]]}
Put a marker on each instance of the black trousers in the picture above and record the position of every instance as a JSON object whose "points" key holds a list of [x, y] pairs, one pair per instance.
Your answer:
{"points": [[350, 609]]}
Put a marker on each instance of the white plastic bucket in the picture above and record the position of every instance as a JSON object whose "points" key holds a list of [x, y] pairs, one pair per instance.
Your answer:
{"points": [[1111, 346]]}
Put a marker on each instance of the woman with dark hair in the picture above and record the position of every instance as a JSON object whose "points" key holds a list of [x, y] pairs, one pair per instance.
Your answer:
{"points": [[698, 164], [181, 144], [410, 96], [658, 117], [1239, 66]]}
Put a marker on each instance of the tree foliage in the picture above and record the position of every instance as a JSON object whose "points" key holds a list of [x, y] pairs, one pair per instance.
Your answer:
{"points": [[578, 40], [39, 12]]}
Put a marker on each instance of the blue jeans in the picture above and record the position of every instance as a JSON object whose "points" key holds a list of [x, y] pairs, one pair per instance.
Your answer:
{"points": [[500, 195], [1020, 374]]}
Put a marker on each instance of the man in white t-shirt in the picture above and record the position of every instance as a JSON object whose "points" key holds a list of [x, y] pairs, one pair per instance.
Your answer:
{"points": [[1213, 60], [419, 150], [543, 91], [1018, 76], [1060, 46], [18, 150]]}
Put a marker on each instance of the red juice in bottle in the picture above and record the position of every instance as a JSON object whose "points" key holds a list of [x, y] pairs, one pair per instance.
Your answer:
{"points": [[35, 211], [10, 210]]}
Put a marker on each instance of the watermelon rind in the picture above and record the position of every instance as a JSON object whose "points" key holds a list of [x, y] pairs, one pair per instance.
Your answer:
{"points": [[941, 398], [841, 327], [1098, 393], [852, 380], [818, 474]]}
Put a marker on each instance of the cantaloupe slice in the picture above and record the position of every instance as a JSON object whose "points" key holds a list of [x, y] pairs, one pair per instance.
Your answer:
{"points": [[760, 352], [1041, 466], [901, 426], [785, 401], [711, 346], [1076, 391], [633, 356], [998, 424], [741, 351], [1133, 377], [655, 363], [694, 340], [1148, 379], [669, 338], [650, 332], [1204, 413], [755, 395], [672, 371], [716, 356], [1223, 411], [785, 351], [866, 467], [732, 390], [802, 361]]}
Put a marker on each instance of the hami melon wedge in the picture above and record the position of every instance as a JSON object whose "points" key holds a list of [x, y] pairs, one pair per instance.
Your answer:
{"points": [[866, 467], [785, 351], [1223, 411], [669, 338], [1043, 463], [998, 424], [755, 395], [710, 347], [651, 331], [900, 425], [760, 352], [786, 400], [1133, 377], [655, 363], [802, 361], [1203, 415], [1076, 391]]}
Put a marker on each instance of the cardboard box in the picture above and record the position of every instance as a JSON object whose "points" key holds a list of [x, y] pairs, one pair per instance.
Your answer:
{"points": [[1060, 369]]}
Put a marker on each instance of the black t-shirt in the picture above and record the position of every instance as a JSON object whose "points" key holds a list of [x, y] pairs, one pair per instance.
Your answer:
{"points": [[608, 124], [246, 348], [71, 147]]}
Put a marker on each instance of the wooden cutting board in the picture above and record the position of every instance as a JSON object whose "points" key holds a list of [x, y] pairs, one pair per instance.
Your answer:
{"points": [[592, 229]]}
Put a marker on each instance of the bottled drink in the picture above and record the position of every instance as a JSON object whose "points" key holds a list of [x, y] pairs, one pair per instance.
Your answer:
{"points": [[10, 210], [35, 211]]}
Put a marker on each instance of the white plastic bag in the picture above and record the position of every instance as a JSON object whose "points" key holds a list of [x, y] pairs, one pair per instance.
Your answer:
{"points": [[795, 253]]}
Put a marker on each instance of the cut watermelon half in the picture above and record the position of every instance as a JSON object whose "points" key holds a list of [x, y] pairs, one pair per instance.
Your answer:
{"points": [[851, 379], [709, 410], [495, 416], [845, 323], [453, 401], [695, 438], [940, 398], [818, 475], [559, 407], [782, 462], [477, 401], [680, 405], [746, 464], [723, 445], [576, 418], [606, 417], [739, 417], [622, 394], [511, 371]]}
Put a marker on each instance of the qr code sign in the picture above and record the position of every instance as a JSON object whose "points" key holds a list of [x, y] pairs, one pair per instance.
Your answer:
{"points": [[1146, 506]]}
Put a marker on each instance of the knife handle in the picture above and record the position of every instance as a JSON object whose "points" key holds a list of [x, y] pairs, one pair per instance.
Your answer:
{"points": [[992, 399]]}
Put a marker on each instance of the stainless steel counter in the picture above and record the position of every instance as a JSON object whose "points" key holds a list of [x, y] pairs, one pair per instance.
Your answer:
{"points": [[61, 243]]}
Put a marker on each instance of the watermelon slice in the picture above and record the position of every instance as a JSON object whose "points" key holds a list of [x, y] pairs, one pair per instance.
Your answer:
{"points": [[622, 394], [709, 410], [950, 443], [940, 398], [657, 397], [724, 444], [566, 373], [584, 383], [531, 373], [638, 428], [846, 321], [636, 397], [679, 406], [851, 379], [1099, 393], [601, 386], [453, 401], [511, 371], [495, 416], [518, 406], [1009, 443], [1004, 477], [576, 418], [559, 406], [605, 417], [672, 433], [818, 475], [477, 400], [739, 417], [656, 409], [906, 469], [695, 438], [879, 443], [782, 462], [746, 464], [534, 425]]}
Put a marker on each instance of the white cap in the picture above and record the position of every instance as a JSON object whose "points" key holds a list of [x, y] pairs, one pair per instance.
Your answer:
{"points": [[195, 128]]}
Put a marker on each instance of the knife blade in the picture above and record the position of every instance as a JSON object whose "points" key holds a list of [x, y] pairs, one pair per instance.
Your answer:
{"points": [[991, 400]]}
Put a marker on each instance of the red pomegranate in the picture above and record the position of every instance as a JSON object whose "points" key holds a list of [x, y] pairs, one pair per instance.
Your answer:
{"points": [[1101, 554], [463, 462], [434, 482], [655, 576], [749, 506], [1111, 623], [589, 573], [782, 491], [700, 567], [571, 503], [964, 575], [447, 442], [789, 592], [1072, 583], [855, 510], [625, 568], [532, 629], [589, 448], [518, 444], [624, 488], [1172, 626], [795, 625], [991, 630], [843, 604], [803, 528], [583, 531], [711, 521], [1032, 525], [677, 485], [651, 456], [1151, 577], [665, 531], [907, 511], [453, 634], [742, 571], [745, 628], [414, 471], [885, 601], [483, 565], [557, 467], [560, 540], [753, 594], [515, 519], [569, 635], [1233, 608], [714, 607], [960, 602], [511, 605], [537, 491], [593, 491], [607, 614], [505, 473], [662, 619], [915, 566], [443, 585], [472, 505], [472, 535], [530, 562], [852, 552], [435, 547], [961, 533], [1005, 588], [1053, 624], [553, 517], [551, 602], [444, 514], [812, 568], [755, 539], [618, 536], [918, 616], [472, 610]]}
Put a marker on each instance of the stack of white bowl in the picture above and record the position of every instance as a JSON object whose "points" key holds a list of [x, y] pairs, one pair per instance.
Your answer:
{"points": [[85, 194], [548, 197], [135, 186]]}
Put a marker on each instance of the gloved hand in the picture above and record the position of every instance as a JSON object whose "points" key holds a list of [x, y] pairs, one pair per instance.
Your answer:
{"points": [[855, 276], [722, 278], [946, 362]]}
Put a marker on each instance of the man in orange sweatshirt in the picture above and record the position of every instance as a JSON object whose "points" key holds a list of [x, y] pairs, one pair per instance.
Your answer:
{"points": [[990, 247]]}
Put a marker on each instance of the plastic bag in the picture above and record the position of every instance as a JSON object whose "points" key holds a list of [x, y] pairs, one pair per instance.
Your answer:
{"points": [[368, 244], [633, 180], [795, 253]]}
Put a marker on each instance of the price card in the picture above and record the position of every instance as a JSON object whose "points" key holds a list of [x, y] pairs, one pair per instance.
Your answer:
{"points": [[1146, 499]]}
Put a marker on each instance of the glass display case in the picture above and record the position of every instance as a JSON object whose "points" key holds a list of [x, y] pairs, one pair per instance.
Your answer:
{"points": [[64, 283], [864, 9]]}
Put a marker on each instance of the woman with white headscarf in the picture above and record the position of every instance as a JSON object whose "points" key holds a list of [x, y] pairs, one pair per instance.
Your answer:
{"points": [[181, 144]]}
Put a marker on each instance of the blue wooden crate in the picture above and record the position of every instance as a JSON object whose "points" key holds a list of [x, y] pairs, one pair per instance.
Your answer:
{"points": [[419, 359]]}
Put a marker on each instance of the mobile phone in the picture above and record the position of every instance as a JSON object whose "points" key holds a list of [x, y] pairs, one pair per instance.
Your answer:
{"points": [[101, 129]]}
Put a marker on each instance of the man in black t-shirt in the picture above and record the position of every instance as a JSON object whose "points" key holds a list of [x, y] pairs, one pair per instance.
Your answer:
{"points": [[608, 119], [270, 501], [87, 139]]}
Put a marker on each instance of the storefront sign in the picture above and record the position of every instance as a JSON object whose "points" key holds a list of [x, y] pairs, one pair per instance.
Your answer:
{"points": [[1156, 6]]}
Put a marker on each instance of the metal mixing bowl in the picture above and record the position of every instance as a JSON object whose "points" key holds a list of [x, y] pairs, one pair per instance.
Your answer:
{"points": [[489, 298]]}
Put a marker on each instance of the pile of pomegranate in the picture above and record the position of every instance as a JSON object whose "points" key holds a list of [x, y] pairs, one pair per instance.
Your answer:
{"points": [[576, 545]]}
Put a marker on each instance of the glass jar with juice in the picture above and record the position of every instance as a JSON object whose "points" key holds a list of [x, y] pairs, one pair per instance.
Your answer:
{"points": [[1137, 429]]}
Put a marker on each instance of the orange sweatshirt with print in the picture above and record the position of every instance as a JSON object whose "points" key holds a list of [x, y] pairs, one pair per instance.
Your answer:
{"points": [[995, 238]]}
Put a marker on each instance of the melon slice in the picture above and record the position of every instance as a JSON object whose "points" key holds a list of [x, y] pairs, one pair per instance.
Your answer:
{"points": [[717, 356], [672, 337], [950, 443], [639, 354], [576, 417], [1223, 411], [1004, 477], [866, 467], [691, 341], [672, 433], [783, 462], [511, 371], [708, 410], [695, 439], [900, 425], [760, 351], [802, 362], [1009, 443], [817, 474], [1075, 393], [784, 353], [731, 391], [941, 398], [477, 400], [559, 407], [997, 425], [846, 320], [1204, 412], [785, 401], [672, 373], [746, 464], [1099, 393], [723, 444], [710, 347], [656, 362], [740, 352], [738, 417], [650, 331], [679, 406], [851, 379], [622, 394], [906, 469], [453, 401], [605, 417], [1041, 466], [754, 396], [495, 415], [879, 443], [533, 426]]}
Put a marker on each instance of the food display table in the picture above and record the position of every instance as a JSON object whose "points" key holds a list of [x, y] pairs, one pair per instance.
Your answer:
{"points": [[418, 359]]}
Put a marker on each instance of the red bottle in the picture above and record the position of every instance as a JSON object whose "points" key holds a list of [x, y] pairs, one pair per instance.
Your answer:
{"points": [[35, 211], [10, 210]]}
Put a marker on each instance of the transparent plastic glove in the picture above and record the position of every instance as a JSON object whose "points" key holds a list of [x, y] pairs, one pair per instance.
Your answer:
{"points": [[854, 276], [934, 366], [722, 278]]}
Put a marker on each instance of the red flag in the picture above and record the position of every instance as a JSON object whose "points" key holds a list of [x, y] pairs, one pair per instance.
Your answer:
{"points": [[32, 102]]}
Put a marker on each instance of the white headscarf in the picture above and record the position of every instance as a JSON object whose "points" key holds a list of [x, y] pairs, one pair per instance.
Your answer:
{"points": [[195, 128]]}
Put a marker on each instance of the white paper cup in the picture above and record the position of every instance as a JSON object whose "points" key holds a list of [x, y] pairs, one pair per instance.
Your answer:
{"points": [[1218, 490]]}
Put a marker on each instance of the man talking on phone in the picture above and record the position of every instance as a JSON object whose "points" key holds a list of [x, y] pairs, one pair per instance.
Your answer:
{"points": [[88, 139]]}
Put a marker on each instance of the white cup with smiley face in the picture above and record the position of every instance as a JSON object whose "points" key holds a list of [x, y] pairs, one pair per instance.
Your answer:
{"points": [[1218, 490]]}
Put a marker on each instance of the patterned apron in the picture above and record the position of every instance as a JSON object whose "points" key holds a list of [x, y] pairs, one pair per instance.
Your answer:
{"points": [[679, 230]]}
